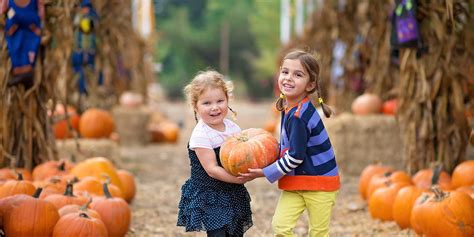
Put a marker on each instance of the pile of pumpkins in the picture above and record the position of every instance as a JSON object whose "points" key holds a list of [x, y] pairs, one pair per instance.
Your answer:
{"points": [[93, 123], [431, 202], [60, 198], [369, 103]]}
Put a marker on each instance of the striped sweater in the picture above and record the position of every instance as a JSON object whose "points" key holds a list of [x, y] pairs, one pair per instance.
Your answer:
{"points": [[307, 160]]}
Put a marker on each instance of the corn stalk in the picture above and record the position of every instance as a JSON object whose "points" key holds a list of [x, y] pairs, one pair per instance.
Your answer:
{"points": [[434, 88]]}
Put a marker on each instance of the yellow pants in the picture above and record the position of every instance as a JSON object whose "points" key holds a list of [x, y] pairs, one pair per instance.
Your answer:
{"points": [[292, 203]]}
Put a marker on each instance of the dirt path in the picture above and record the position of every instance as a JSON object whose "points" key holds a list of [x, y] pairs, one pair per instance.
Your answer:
{"points": [[162, 169]]}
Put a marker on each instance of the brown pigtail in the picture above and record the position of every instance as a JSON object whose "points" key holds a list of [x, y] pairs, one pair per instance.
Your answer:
{"points": [[327, 111], [280, 103]]}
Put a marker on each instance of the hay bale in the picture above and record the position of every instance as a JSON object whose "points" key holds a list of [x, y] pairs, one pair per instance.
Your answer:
{"points": [[88, 148], [361, 140], [131, 124]]}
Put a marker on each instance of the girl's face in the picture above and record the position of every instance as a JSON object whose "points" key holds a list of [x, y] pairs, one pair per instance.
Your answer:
{"points": [[211, 107], [294, 81]]}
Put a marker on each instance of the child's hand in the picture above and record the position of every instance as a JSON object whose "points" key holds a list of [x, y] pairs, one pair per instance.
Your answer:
{"points": [[252, 174]]}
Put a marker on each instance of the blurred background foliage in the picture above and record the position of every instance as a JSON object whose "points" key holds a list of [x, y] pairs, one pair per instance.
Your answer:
{"points": [[189, 40]]}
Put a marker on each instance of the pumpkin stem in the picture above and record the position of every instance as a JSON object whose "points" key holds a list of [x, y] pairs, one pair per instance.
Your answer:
{"points": [[242, 139], [436, 174], [62, 165], [105, 187], [439, 194], [86, 205], [84, 215], [20, 176], [69, 190], [37, 192]]}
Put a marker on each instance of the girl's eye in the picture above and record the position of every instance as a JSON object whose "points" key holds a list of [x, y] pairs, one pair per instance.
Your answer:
{"points": [[206, 103], [220, 101]]}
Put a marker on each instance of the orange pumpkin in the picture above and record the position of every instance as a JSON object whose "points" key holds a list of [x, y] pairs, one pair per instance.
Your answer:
{"points": [[467, 189], [382, 200], [380, 180], [61, 200], [60, 123], [128, 182], [98, 167], [448, 214], [419, 212], [367, 173], [403, 204], [423, 179], [463, 174], [52, 168], [389, 107], [115, 213], [251, 148], [165, 131], [79, 224], [96, 123], [24, 215], [74, 208], [92, 186], [19, 186], [367, 103]]}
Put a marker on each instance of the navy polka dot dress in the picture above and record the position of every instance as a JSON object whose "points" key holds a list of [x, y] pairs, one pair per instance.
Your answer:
{"points": [[210, 204]]}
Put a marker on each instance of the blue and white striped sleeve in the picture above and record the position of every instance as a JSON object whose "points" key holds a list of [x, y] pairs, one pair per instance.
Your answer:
{"points": [[294, 156]]}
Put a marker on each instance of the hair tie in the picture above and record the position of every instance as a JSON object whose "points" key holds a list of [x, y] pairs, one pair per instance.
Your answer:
{"points": [[320, 100], [282, 96]]}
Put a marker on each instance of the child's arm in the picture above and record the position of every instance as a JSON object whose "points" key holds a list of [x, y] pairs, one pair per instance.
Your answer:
{"points": [[3, 6], [207, 157], [298, 136]]}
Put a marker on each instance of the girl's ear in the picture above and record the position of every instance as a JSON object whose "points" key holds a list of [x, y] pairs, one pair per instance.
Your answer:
{"points": [[310, 86]]}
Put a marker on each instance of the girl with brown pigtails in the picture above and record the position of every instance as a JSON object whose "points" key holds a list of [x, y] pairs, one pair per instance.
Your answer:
{"points": [[306, 171], [212, 200]]}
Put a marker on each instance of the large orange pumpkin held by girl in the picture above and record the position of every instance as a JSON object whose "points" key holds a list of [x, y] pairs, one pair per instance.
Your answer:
{"points": [[251, 148]]}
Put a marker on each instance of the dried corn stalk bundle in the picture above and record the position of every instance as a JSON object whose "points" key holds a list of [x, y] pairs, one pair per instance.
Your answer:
{"points": [[434, 88], [25, 133], [120, 54]]}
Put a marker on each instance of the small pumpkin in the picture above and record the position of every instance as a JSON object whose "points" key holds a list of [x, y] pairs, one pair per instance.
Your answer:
{"points": [[128, 182], [382, 200], [18, 186], [79, 224], [403, 204], [52, 168], [96, 123], [463, 174], [251, 148], [367, 103], [61, 200], [367, 173], [99, 167], [380, 180], [424, 177], [60, 123], [467, 189], [92, 186], [74, 208], [165, 131], [389, 107], [115, 212]]}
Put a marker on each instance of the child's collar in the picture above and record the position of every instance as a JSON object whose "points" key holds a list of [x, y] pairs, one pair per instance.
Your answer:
{"points": [[304, 100]]}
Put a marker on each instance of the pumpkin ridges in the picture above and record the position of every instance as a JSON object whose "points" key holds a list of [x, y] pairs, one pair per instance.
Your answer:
{"points": [[79, 224], [241, 151], [403, 205]]}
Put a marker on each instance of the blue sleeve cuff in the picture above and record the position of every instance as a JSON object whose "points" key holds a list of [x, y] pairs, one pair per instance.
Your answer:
{"points": [[272, 173]]}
